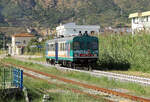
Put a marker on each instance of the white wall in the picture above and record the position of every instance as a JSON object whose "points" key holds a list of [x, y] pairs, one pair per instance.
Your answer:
{"points": [[19, 41], [140, 23], [73, 29]]}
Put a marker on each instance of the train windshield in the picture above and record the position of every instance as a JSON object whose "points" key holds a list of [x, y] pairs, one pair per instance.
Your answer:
{"points": [[76, 45], [85, 45], [92, 45]]}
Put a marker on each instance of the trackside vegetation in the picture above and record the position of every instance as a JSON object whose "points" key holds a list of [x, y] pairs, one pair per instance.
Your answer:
{"points": [[125, 52], [37, 88], [131, 88]]}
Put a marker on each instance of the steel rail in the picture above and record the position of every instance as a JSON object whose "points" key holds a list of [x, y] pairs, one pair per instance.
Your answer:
{"points": [[71, 89], [135, 98], [97, 73]]}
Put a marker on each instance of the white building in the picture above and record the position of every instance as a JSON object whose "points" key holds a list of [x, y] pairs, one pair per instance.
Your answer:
{"points": [[19, 41], [70, 29], [140, 21]]}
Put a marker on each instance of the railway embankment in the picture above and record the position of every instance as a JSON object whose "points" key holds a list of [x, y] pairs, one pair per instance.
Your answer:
{"points": [[131, 88], [38, 86]]}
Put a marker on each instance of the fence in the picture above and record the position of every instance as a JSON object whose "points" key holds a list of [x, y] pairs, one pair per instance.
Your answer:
{"points": [[11, 77]]}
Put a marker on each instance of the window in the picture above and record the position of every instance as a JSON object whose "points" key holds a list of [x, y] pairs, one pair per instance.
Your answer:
{"points": [[47, 47], [135, 20], [60, 47], [76, 45], [94, 45], [24, 42], [51, 47], [64, 46], [146, 18], [70, 45], [83, 45]]}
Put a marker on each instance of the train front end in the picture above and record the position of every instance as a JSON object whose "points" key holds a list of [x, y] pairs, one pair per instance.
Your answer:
{"points": [[85, 50]]}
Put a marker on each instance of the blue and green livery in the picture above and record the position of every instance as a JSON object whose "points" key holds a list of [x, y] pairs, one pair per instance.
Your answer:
{"points": [[74, 50]]}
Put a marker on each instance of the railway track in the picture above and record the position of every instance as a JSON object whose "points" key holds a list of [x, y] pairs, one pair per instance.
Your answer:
{"points": [[131, 97], [64, 87], [97, 73]]}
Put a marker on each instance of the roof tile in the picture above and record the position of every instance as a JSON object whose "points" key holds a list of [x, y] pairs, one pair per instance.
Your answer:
{"points": [[23, 35]]}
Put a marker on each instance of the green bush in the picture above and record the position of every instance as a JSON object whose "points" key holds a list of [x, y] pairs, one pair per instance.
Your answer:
{"points": [[125, 52]]}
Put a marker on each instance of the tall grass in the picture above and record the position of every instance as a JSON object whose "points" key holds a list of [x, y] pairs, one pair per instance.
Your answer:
{"points": [[87, 78], [38, 88], [125, 52]]}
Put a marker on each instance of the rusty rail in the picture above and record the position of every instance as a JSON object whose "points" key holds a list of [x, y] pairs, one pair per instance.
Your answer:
{"points": [[71, 89], [134, 98]]}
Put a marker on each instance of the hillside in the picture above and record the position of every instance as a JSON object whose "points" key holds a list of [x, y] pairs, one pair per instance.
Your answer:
{"points": [[52, 12]]}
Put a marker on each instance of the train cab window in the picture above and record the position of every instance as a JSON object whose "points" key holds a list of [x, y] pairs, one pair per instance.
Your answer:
{"points": [[76, 45], [82, 45], [94, 45], [89, 45]]}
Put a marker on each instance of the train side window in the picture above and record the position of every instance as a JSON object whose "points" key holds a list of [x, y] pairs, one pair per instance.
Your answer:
{"points": [[59, 46], [50, 48], [53, 47], [47, 47], [63, 46], [66, 45], [71, 46]]}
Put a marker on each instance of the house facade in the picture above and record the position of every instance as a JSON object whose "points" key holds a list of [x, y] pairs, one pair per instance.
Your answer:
{"points": [[70, 29], [140, 21], [19, 41]]}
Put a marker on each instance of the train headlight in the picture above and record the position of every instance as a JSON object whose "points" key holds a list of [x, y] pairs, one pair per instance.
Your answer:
{"points": [[95, 55], [76, 55]]}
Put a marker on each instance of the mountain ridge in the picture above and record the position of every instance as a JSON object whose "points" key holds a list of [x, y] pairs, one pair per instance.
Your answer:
{"points": [[49, 13]]}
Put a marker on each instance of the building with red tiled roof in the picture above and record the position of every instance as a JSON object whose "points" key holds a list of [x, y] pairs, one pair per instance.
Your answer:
{"points": [[23, 35], [19, 41]]}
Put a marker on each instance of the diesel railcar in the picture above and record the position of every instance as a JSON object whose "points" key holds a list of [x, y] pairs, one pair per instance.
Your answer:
{"points": [[72, 51]]}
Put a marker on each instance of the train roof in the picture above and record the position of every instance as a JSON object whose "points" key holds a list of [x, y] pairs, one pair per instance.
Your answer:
{"points": [[60, 39], [70, 38]]}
